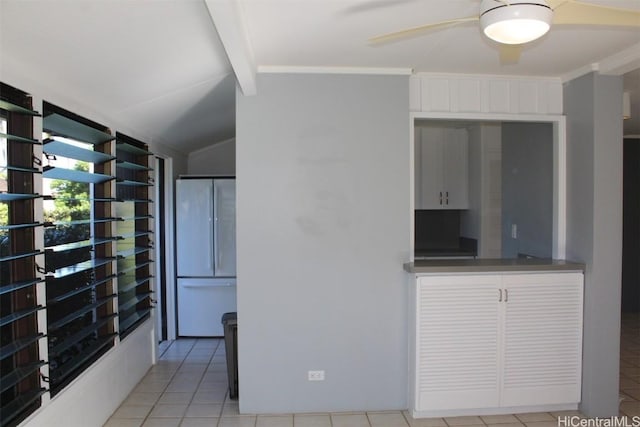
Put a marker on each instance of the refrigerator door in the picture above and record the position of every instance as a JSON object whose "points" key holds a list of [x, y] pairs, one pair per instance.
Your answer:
{"points": [[194, 227], [201, 304], [224, 204]]}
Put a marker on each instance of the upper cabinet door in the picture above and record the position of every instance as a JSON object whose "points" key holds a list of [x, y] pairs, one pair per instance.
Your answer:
{"points": [[455, 160], [429, 171], [224, 191], [194, 227], [442, 170]]}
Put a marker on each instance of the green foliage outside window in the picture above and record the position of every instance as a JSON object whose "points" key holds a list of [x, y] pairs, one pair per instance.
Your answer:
{"points": [[71, 198], [71, 203]]}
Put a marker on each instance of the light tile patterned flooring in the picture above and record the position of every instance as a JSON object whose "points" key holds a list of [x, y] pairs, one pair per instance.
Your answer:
{"points": [[188, 388]]}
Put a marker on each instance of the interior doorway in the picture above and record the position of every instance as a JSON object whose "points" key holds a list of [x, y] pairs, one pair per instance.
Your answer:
{"points": [[160, 252]]}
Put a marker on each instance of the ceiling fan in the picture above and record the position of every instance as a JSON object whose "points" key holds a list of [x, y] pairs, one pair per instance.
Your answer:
{"points": [[512, 23]]}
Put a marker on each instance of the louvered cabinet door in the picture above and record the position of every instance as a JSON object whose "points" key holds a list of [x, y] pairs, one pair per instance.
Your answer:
{"points": [[457, 342], [542, 339]]}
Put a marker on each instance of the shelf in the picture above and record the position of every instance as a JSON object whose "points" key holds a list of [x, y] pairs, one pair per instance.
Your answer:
{"points": [[69, 366], [57, 124], [128, 322], [16, 286], [135, 267], [16, 138], [123, 146], [17, 315], [81, 221], [132, 302], [19, 256], [132, 166], [70, 341], [136, 218], [18, 226], [134, 201], [60, 148], [80, 290], [73, 175], [135, 251], [90, 199], [138, 233], [20, 169], [79, 313], [19, 344], [132, 285], [10, 106], [19, 374], [130, 183], [80, 267], [81, 244], [10, 197]]}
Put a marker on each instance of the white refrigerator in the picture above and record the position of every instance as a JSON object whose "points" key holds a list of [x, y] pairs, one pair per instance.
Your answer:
{"points": [[206, 254]]}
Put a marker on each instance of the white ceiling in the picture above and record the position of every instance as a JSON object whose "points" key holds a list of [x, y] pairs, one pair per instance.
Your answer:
{"points": [[159, 65]]}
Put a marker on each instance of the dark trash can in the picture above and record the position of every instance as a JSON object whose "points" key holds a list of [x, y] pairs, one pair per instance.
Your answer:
{"points": [[230, 325]]}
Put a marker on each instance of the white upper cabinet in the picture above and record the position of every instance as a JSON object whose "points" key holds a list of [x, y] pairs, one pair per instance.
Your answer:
{"points": [[442, 164], [459, 93]]}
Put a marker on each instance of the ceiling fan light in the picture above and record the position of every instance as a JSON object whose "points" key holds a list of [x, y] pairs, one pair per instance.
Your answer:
{"points": [[515, 23]]}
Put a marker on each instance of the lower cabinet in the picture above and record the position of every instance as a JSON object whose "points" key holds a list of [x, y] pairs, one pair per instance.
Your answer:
{"points": [[486, 342]]}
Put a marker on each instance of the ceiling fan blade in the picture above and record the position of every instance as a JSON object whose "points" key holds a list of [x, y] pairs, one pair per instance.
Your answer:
{"points": [[510, 53], [415, 31], [574, 12]]}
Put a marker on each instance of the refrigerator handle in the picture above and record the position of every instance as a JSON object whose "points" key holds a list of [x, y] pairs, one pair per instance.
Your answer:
{"points": [[218, 254], [212, 229], [208, 285]]}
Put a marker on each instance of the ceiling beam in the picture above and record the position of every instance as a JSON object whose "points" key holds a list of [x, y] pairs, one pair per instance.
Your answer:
{"points": [[230, 25]]}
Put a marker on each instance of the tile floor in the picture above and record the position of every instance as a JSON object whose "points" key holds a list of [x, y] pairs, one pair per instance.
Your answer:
{"points": [[188, 388]]}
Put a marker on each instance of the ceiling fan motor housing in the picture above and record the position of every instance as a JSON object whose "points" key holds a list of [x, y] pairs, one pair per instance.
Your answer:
{"points": [[515, 21]]}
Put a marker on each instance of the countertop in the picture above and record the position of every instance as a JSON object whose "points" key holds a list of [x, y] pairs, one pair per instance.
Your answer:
{"points": [[490, 265]]}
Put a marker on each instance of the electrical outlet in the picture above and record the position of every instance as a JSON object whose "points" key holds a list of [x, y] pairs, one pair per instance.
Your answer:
{"points": [[316, 375], [514, 231]]}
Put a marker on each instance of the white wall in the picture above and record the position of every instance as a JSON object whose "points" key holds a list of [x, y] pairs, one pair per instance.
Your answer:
{"points": [[92, 397], [323, 223], [470, 219], [482, 220], [218, 159]]}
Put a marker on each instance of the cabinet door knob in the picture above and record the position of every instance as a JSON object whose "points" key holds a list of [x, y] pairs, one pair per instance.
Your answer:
{"points": [[499, 295]]}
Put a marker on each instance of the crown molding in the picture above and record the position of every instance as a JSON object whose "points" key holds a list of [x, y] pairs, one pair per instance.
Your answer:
{"points": [[287, 69]]}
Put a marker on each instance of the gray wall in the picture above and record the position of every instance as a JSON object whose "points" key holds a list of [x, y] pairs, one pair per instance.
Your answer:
{"points": [[594, 228], [470, 219], [217, 159], [323, 229], [527, 189]]}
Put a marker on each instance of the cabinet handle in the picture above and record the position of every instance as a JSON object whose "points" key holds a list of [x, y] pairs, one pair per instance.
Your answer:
{"points": [[506, 295], [500, 295], [447, 193], [441, 197]]}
